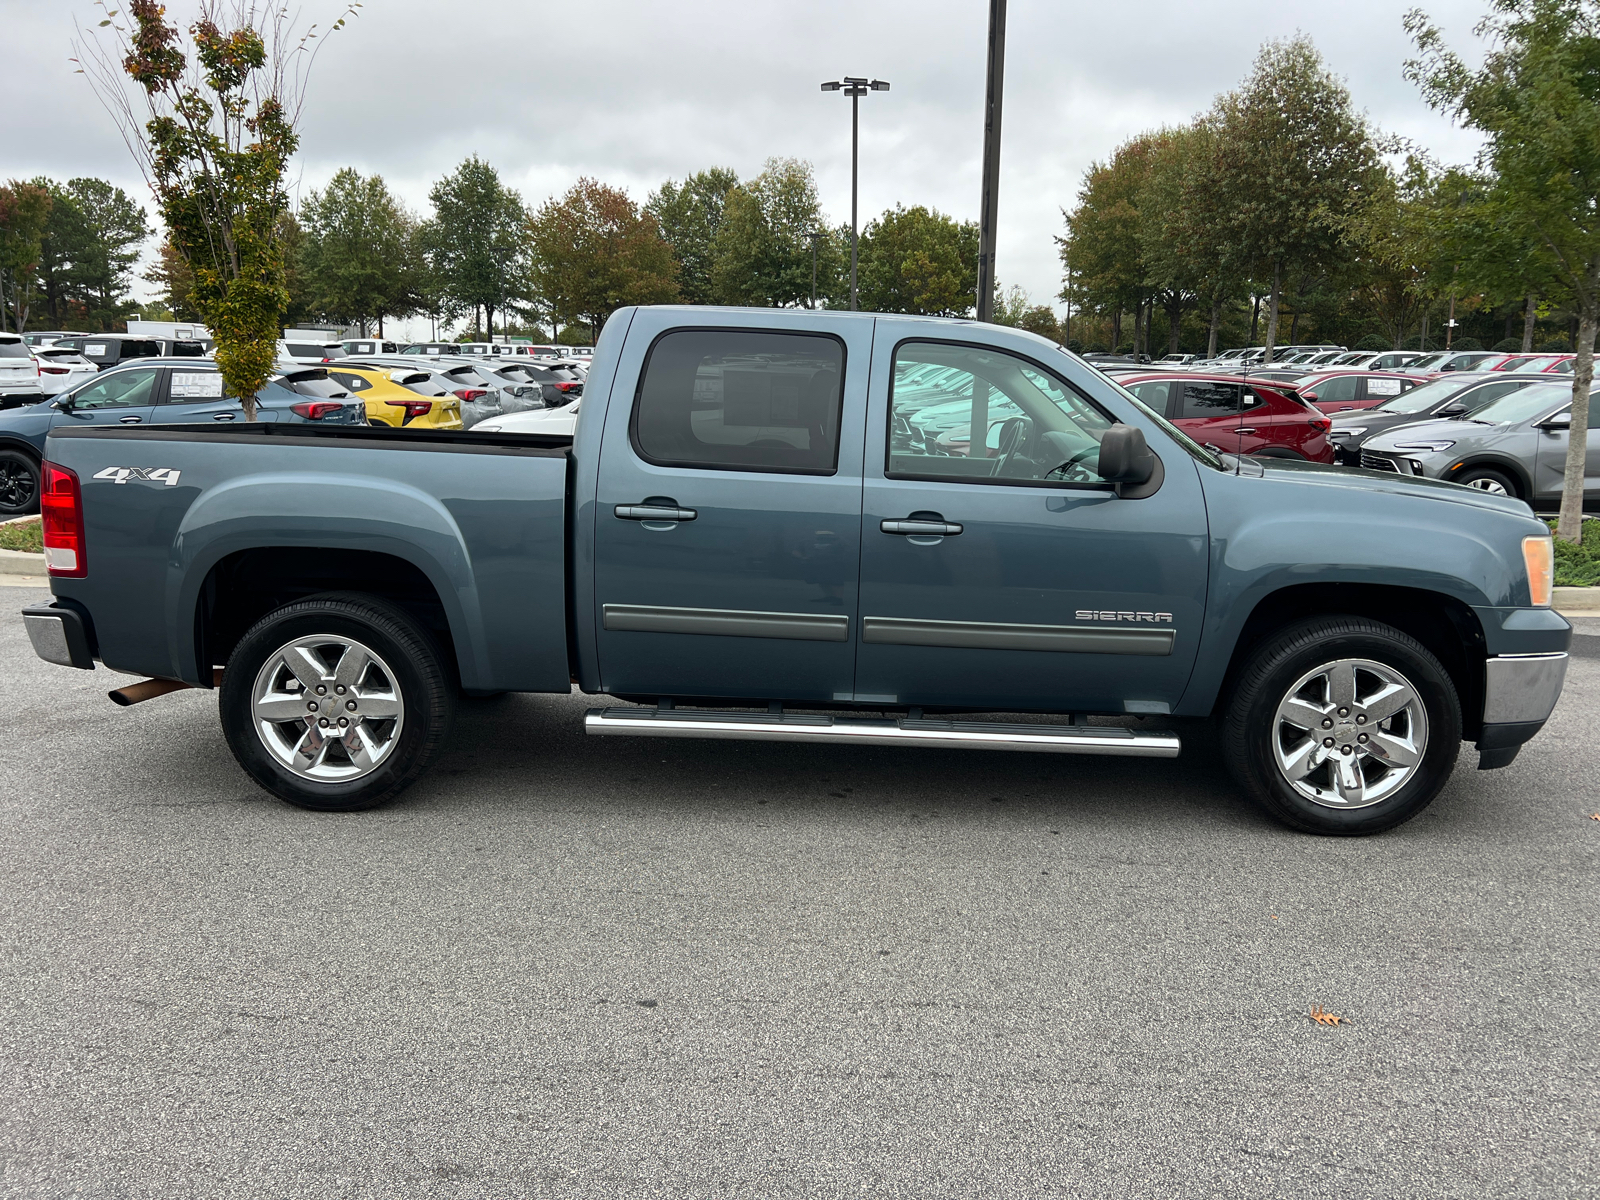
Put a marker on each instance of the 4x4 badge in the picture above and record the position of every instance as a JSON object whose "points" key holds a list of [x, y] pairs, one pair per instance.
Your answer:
{"points": [[164, 475]]}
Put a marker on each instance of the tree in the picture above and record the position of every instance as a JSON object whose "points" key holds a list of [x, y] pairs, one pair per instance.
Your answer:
{"points": [[219, 129], [1296, 160], [1535, 100], [763, 247], [917, 260], [1039, 319], [689, 217], [477, 239], [357, 241], [174, 283], [24, 210], [1103, 241], [595, 252]]}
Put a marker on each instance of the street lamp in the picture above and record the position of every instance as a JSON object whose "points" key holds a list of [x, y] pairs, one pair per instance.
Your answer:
{"points": [[815, 238], [854, 88]]}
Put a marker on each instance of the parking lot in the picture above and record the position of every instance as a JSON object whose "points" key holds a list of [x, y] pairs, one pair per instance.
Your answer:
{"points": [[563, 966]]}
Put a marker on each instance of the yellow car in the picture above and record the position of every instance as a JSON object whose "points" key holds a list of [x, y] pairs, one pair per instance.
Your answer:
{"points": [[390, 402]]}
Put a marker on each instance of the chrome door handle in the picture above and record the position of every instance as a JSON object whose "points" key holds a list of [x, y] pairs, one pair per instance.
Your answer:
{"points": [[921, 528], [129, 420], [222, 416], [650, 512], [1244, 431]]}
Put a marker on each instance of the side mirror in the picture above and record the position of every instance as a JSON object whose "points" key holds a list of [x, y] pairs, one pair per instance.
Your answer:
{"points": [[63, 405], [1125, 458], [1451, 410], [1558, 422]]}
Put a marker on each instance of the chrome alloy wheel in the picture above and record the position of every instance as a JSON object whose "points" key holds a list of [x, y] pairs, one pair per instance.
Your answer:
{"points": [[1489, 484], [327, 708], [1350, 733]]}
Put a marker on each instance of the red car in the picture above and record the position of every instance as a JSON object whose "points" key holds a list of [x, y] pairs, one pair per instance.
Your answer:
{"points": [[1338, 391], [1236, 414]]}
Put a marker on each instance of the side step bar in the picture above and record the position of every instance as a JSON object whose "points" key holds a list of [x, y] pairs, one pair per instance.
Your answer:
{"points": [[908, 731]]}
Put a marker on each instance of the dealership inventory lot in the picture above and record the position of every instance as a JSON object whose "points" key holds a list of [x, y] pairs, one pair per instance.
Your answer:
{"points": [[569, 966]]}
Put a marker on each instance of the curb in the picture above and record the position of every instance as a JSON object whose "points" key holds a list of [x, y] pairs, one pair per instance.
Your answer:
{"points": [[1576, 599], [16, 562]]}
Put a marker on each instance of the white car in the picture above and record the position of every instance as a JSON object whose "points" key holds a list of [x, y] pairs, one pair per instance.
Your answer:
{"points": [[19, 373], [562, 422], [61, 369], [310, 352]]}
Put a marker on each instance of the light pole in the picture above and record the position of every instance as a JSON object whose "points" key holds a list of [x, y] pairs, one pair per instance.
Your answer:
{"points": [[815, 238], [855, 88], [989, 211]]}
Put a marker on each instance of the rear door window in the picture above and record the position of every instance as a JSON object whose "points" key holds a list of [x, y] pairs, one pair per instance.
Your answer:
{"points": [[739, 400], [1201, 399], [1339, 388]]}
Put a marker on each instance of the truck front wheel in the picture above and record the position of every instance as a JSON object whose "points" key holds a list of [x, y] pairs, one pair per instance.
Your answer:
{"points": [[1341, 725], [336, 703]]}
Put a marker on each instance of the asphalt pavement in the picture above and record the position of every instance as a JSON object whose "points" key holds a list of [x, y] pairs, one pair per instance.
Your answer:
{"points": [[572, 967]]}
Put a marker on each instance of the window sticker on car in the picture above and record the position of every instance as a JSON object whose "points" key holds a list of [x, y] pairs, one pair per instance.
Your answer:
{"points": [[98, 349], [196, 385], [1383, 387]]}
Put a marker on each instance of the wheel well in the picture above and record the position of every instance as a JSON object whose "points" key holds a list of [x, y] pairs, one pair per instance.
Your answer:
{"points": [[1510, 470], [1446, 626], [245, 586]]}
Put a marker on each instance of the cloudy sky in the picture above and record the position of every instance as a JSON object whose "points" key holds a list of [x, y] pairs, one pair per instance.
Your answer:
{"points": [[636, 91]]}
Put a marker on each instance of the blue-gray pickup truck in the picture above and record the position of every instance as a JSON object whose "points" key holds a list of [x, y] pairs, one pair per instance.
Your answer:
{"points": [[812, 527]]}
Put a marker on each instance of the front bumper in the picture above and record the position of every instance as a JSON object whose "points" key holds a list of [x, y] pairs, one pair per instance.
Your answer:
{"points": [[1519, 694]]}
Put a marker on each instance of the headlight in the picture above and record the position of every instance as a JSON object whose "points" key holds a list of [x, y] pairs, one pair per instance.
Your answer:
{"points": [[1348, 431], [1441, 445], [1538, 556]]}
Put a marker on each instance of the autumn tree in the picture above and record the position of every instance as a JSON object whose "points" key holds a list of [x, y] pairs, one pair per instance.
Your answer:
{"points": [[1295, 160], [1536, 102], [212, 124], [689, 215], [763, 247], [594, 252], [917, 260]]}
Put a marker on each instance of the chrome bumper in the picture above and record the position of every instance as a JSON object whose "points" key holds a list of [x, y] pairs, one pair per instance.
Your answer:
{"points": [[1522, 687], [58, 636]]}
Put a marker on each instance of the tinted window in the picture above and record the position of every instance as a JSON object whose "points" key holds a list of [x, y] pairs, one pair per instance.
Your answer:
{"points": [[993, 418], [1201, 399], [1153, 394], [17, 349], [350, 380], [741, 401], [327, 389], [120, 389]]}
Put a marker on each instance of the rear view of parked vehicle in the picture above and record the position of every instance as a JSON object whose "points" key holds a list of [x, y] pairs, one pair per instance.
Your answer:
{"points": [[19, 372], [61, 369], [389, 401]]}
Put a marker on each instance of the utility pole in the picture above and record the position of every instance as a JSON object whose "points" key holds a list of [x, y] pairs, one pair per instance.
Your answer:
{"points": [[815, 238], [988, 216], [855, 87]]}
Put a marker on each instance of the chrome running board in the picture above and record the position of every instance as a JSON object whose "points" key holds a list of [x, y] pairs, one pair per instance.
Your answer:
{"points": [[908, 731]]}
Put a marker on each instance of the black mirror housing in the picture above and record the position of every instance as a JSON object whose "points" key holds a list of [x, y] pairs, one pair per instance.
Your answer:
{"points": [[1126, 460]]}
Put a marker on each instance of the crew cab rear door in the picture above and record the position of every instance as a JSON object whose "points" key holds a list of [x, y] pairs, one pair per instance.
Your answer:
{"points": [[997, 569], [727, 528]]}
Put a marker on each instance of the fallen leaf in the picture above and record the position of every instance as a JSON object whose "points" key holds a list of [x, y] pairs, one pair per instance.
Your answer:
{"points": [[1594, 816], [1324, 1018]]}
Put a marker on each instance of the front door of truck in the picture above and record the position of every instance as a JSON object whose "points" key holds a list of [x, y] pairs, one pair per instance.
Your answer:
{"points": [[727, 539], [1012, 577]]}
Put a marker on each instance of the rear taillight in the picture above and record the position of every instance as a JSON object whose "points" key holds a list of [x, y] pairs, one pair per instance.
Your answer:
{"points": [[570, 387], [1322, 423], [54, 371], [61, 507], [414, 408], [468, 395], [315, 410]]}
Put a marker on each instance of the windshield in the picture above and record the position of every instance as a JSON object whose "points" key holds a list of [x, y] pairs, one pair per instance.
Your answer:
{"points": [[1427, 360], [1523, 405], [1420, 398]]}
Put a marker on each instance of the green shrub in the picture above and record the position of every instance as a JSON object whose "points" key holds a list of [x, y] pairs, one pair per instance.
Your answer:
{"points": [[1372, 343], [27, 536], [1579, 566], [1507, 346], [1556, 346], [1466, 343]]}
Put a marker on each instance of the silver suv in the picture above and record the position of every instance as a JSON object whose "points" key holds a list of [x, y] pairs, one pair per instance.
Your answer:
{"points": [[1515, 446]]}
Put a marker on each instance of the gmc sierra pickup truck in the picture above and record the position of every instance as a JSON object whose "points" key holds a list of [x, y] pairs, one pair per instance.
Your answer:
{"points": [[811, 527]]}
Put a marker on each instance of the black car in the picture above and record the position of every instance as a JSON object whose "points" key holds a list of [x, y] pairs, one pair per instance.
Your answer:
{"points": [[1451, 396]]}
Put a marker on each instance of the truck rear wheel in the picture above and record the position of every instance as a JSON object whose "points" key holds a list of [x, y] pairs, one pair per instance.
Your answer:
{"points": [[336, 703], [1344, 726]]}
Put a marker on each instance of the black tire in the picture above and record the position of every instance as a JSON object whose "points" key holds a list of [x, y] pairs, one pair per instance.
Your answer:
{"points": [[1488, 479], [420, 677], [19, 484], [1252, 732]]}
